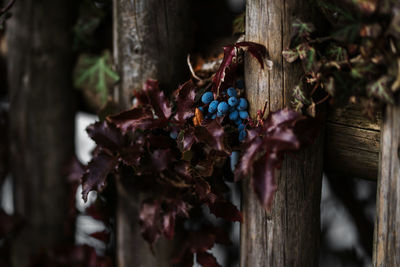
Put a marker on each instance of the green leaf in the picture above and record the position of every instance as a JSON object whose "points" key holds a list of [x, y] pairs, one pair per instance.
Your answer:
{"points": [[95, 73]]}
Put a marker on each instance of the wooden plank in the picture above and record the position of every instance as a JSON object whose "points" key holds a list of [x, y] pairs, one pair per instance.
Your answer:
{"points": [[387, 223], [351, 151], [150, 41], [41, 123], [289, 235], [352, 142]]}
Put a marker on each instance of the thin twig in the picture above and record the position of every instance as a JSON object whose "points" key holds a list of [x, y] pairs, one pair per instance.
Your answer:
{"points": [[191, 69]]}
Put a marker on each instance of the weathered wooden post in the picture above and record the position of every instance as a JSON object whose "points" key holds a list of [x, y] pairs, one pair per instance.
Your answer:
{"points": [[41, 122], [150, 41], [387, 224], [289, 235]]}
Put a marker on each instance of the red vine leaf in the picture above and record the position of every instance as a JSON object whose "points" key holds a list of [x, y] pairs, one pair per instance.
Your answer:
{"points": [[206, 259], [230, 61], [158, 217], [157, 99], [225, 210], [212, 134], [230, 53], [161, 158], [106, 135], [264, 179], [263, 152], [136, 118], [258, 51], [185, 99], [96, 173]]}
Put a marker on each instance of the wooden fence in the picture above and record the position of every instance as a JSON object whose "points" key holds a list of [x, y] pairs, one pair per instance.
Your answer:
{"points": [[290, 234], [151, 41]]}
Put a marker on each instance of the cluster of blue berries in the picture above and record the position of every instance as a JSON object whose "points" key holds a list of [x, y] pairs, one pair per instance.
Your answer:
{"points": [[235, 107]]}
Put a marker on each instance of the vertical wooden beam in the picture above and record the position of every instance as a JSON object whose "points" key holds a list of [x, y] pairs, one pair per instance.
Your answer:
{"points": [[41, 122], [387, 224], [289, 235], [150, 41]]}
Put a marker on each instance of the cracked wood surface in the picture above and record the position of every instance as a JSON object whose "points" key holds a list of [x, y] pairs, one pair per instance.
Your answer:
{"points": [[150, 41], [387, 223], [290, 234]]}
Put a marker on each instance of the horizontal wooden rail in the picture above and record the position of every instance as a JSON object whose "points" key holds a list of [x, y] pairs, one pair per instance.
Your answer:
{"points": [[352, 143]]}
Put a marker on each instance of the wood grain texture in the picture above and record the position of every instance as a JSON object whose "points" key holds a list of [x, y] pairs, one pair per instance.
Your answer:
{"points": [[387, 224], [352, 143], [41, 122], [150, 41], [289, 235]]}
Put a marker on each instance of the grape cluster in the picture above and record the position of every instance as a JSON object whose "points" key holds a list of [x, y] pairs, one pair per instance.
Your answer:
{"points": [[229, 104]]}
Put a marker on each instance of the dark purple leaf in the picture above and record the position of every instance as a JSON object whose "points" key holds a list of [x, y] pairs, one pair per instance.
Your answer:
{"points": [[264, 179], [186, 139], [212, 134], [161, 158], [185, 99], [157, 99], [206, 259], [256, 50], [96, 173], [150, 221], [106, 135], [158, 217], [74, 170], [137, 118], [251, 151], [225, 210], [230, 54]]}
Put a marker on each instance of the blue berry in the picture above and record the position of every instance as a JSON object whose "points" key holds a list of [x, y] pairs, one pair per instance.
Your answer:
{"points": [[232, 101], [173, 135], [201, 109], [213, 106], [242, 104], [242, 135], [234, 159], [213, 116], [220, 114], [234, 115], [241, 127], [223, 107], [232, 91], [243, 114], [240, 84], [207, 97], [238, 121]]}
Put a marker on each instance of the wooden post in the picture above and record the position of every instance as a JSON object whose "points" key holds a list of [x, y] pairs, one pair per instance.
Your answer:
{"points": [[387, 224], [150, 41], [289, 235], [41, 122]]}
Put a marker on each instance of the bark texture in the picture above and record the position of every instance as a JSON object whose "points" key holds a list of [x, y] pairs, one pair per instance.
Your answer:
{"points": [[150, 41], [41, 121], [290, 234], [387, 238]]}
